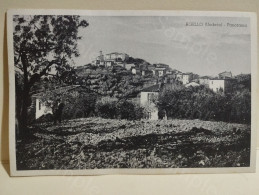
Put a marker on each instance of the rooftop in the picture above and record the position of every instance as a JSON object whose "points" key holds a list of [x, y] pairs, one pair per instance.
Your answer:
{"points": [[59, 90], [154, 88], [160, 68], [192, 84], [229, 79], [187, 73], [205, 77], [225, 72], [116, 53]]}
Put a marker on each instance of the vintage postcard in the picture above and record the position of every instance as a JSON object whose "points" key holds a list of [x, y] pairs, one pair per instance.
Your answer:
{"points": [[131, 92]]}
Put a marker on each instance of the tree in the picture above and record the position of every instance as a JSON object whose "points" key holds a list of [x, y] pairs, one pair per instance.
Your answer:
{"points": [[42, 42]]}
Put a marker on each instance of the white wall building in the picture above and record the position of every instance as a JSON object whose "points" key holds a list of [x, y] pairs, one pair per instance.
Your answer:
{"points": [[147, 98], [159, 72], [110, 59], [41, 108], [186, 79], [221, 85], [134, 70], [43, 105], [116, 56]]}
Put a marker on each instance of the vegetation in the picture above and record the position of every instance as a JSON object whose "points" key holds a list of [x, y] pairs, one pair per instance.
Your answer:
{"points": [[202, 103], [36, 38], [175, 101], [118, 109]]}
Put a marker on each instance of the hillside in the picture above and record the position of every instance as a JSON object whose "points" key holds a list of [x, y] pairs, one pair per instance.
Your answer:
{"points": [[118, 80]]}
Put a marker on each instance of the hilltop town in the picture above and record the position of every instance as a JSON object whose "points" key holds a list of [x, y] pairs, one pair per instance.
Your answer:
{"points": [[153, 73], [119, 76]]}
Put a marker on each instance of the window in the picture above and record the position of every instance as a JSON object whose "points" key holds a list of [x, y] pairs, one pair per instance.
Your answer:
{"points": [[160, 73], [39, 105], [149, 115]]}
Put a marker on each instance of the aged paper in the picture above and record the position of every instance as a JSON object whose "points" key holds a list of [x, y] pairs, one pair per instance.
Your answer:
{"points": [[131, 92]]}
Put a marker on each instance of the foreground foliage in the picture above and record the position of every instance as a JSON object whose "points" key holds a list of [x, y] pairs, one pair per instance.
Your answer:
{"points": [[202, 103]]}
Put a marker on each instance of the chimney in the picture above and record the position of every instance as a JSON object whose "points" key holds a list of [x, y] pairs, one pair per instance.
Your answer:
{"points": [[101, 53]]}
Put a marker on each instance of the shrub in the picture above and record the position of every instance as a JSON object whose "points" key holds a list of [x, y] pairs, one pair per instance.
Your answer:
{"points": [[125, 110], [106, 107], [128, 110], [78, 107], [202, 103], [119, 109]]}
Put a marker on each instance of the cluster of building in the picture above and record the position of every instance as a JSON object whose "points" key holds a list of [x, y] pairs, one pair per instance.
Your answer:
{"points": [[166, 75], [223, 83]]}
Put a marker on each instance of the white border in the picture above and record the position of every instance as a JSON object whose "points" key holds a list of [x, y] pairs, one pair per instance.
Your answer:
{"points": [[254, 71]]}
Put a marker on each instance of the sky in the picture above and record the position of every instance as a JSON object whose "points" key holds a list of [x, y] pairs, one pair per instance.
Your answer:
{"points": [[205, 50]]}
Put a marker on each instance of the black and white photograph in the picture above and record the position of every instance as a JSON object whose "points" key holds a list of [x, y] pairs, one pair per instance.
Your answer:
{"points": [[135, 92]]}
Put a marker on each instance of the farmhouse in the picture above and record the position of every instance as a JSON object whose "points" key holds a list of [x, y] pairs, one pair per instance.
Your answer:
{"points": [[42, 102], [221, 85], [147, 99]]}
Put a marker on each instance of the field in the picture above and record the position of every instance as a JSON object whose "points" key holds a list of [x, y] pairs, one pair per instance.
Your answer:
{"points": [[90, 143]]}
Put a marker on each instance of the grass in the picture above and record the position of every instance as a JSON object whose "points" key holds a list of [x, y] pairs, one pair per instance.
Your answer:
{"points": [[90, 143]]}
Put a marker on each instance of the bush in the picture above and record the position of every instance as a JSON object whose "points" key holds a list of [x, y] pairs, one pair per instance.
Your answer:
{"points": [[128, 110], [119, 109], [79, 107], [106, 107], [202, 103], [125, 110]]}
